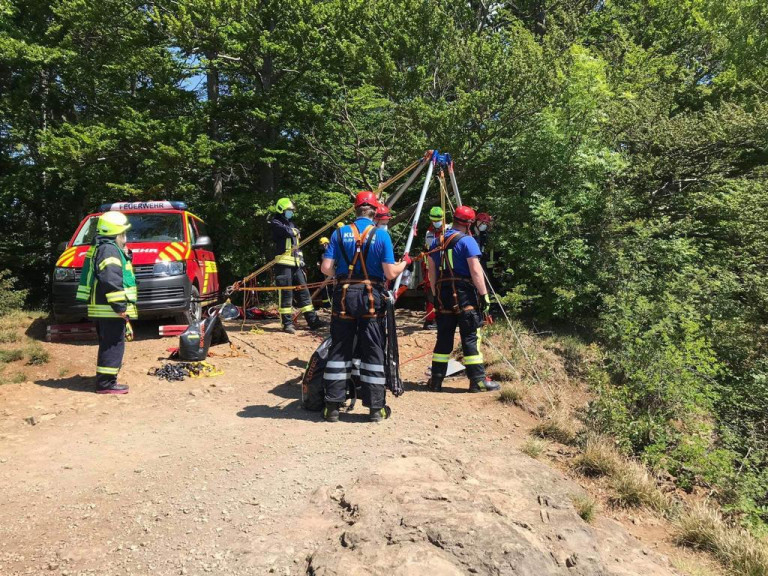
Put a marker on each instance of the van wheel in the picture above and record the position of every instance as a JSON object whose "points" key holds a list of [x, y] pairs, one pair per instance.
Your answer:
{"points": [[194, 311]]}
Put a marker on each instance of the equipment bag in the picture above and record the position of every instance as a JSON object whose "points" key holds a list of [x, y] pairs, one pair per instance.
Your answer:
{"points": [[195, 341], [312, 391], [392, 356]]}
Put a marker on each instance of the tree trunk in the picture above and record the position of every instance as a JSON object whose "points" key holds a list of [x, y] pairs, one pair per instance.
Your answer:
{"points": [[212, 87]]}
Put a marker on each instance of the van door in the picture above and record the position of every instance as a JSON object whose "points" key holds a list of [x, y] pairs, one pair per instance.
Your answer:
{"points": [[209, 290]]}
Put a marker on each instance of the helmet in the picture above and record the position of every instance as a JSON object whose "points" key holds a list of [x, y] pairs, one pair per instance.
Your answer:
{"points": [[284, 204], [484, 217], [366, 198], [339, 225], [324, 241], [464, 214], [436, 214], [112, 223], [382, 213]]}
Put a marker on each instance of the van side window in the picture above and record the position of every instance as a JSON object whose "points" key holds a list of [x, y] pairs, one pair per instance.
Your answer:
{"points": [[191, 230], [200, 227]]}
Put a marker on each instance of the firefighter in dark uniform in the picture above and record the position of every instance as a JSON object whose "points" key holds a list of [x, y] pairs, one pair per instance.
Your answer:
{"points": [[361, 258], [289, 268], [462, 300], [108, 285], [434, 230]]}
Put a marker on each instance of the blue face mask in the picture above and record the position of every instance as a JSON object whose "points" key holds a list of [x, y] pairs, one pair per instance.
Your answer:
{"points": [[289, 214], [438, 224]]}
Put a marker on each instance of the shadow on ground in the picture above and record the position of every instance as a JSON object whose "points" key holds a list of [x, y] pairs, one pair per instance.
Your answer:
{"points": [[449, 387], [290, 389], [75, 383], [294, 411]]}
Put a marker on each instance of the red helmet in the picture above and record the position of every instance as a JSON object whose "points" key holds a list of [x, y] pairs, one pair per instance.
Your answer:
{"points": [[484, 217], [464, 214], [366, 198], [382, 213]]}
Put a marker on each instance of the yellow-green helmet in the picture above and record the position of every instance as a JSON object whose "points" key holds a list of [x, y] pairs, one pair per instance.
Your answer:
{"points": [[324, 241], [284, 204], [112, 223], [436, 214]]}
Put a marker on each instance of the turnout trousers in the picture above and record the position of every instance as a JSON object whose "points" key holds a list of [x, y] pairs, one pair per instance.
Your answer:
{"points": [[358, 324], [293, 276], [111, 332], [468, 319]]}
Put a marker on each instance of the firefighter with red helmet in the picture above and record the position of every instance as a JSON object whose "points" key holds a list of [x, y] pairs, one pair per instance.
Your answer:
{"points": [[458, 284], [361, 258], [382, 217], [289, 268]]}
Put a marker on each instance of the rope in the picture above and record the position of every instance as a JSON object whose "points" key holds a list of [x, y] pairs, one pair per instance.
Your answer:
{"points": [[546, 388]]}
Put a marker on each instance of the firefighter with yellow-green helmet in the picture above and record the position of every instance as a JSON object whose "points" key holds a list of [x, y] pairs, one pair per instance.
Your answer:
{"points": [[108, 285], [289, 268]]}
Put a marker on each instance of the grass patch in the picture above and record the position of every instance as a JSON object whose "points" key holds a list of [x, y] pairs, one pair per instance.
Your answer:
{"points": [[17, 378], [511, 395], [534, 447], [586, 508], [635, 488], [573, 352], [37, 355], [557, 428], [9, 336], [599, 458], [7, 356], [501, 373], [703, 528]]}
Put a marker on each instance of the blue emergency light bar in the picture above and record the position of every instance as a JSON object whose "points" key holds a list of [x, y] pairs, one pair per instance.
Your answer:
{"points": [[150, 205]]}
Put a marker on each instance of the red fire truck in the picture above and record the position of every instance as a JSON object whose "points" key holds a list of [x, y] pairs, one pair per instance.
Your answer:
{"points": [[175, 267]]}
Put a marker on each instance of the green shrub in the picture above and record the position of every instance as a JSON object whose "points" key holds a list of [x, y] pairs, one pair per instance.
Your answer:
{"points": [[37, 355], [7, 356], [9, 336], [534, 447], [585, 507], [11, 298]]}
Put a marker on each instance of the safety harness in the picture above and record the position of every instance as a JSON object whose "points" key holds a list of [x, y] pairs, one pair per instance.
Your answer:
{"points": [[362, 247], [447, 273]]}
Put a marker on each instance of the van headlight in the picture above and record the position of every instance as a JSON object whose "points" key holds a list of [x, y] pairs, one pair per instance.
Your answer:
{"points": [[64, 274], [169, 268]]}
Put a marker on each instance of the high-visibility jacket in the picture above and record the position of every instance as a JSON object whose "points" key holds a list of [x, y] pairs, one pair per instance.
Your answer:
{"points": [[107, 281], [286, 241]]}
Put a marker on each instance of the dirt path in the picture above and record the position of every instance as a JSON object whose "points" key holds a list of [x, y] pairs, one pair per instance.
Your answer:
{"points": [[229, 475]]}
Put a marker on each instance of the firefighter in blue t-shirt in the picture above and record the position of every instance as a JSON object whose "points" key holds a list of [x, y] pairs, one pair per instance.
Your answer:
{"points": [[361, 258], [458, 284]]}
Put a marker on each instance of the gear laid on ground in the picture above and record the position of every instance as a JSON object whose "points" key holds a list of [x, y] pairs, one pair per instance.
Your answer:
{"points": [[177, 371]]}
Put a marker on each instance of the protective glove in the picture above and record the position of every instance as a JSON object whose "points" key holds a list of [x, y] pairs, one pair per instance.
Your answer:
{"points": [[485, 304], [128, 328], [407, 259]]}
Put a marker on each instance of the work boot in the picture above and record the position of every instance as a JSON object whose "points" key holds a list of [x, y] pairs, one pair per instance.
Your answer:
{"points": [[317, 324], [381, 414], [434, 385], [430, 326], [331, 411], [486, 385], [113, 388], [288, 328]]}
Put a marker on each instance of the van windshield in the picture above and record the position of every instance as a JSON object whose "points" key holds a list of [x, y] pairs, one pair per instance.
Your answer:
{"points": [[144, 228]]}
